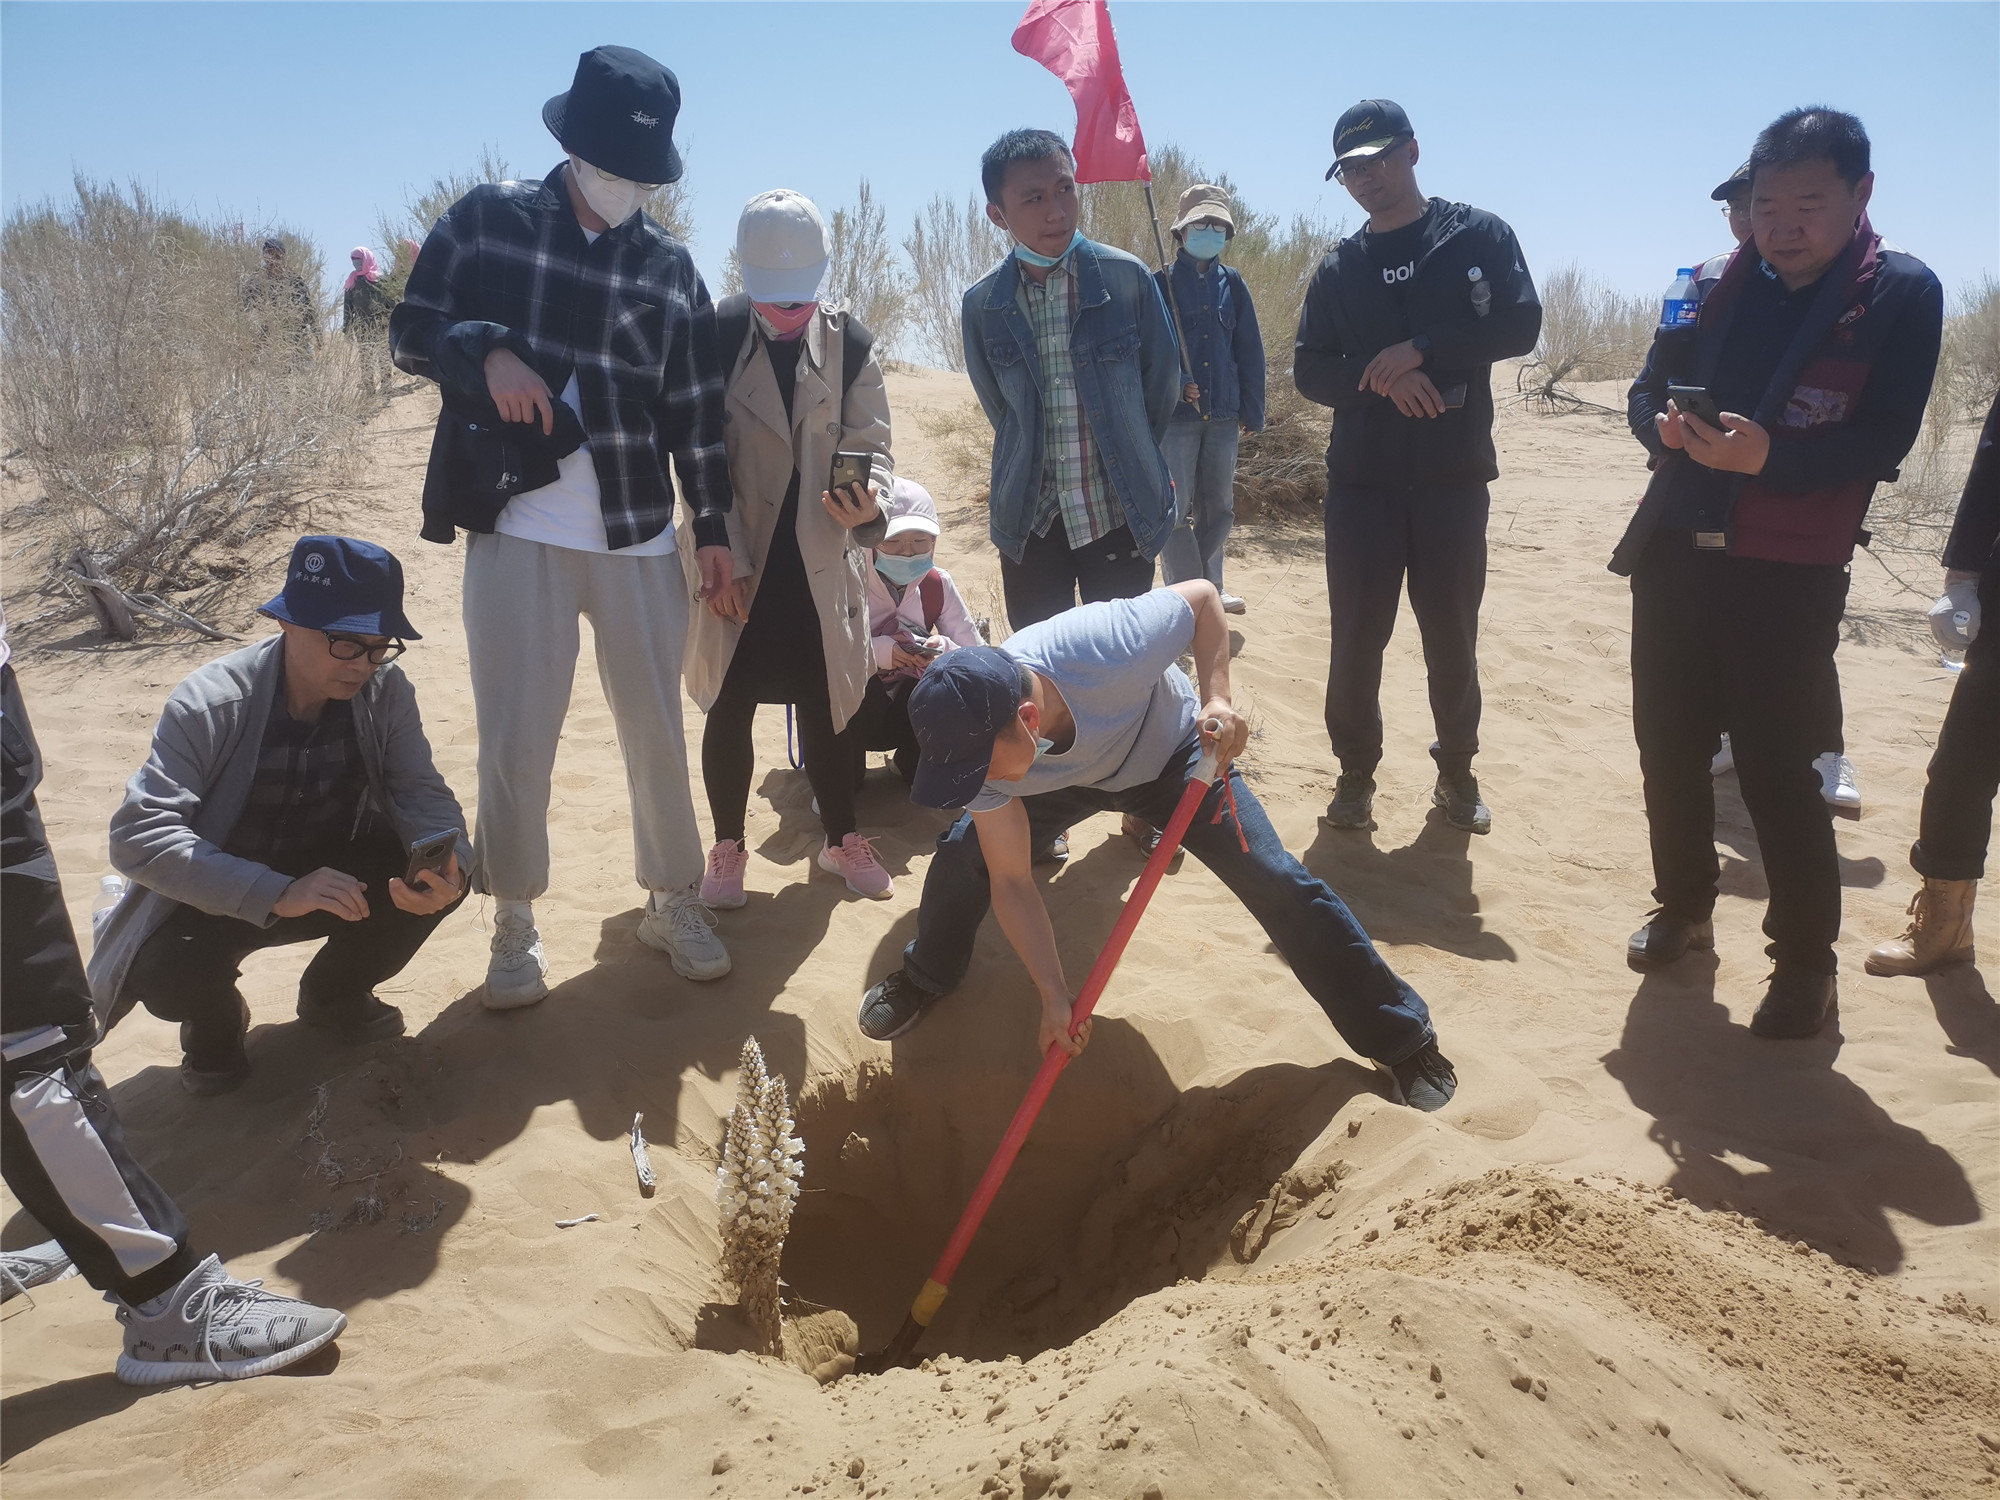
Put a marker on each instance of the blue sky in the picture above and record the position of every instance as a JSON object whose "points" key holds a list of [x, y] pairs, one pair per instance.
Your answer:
{"points": [[1595, 129]]}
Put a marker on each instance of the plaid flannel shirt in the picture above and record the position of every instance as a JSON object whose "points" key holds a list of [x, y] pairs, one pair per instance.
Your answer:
{"points": [[1073, 479], [508, 267], [310, 792]]}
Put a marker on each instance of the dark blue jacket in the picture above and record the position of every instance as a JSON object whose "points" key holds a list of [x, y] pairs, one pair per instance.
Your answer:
{"points": [[1225, 348]]}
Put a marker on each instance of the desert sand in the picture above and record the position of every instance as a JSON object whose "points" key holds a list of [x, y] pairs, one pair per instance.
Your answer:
{"points": [[1641, 1253]]}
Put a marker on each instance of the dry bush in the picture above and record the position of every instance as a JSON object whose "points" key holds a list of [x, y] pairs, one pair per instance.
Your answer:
{"points": [[949, 249], [1912, 516], [168, 406], [862, 271], [1589, 332]]}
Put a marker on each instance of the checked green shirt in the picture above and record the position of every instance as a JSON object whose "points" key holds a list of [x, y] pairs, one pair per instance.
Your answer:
{"points": [[1074, 483]]}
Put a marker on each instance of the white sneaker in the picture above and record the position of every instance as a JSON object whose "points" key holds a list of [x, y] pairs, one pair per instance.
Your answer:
{"points": [[1836, 779], [214, 1327], [680, 926], [37, 1265], [516, 974], [1725, 759], [1231, 605], [853, 859]]}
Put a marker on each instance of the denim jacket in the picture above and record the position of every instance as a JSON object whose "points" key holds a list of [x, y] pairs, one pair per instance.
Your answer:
{"points": [[1128, 375], [1225, 347]]}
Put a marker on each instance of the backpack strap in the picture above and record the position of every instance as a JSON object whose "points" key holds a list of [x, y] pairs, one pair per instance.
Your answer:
{"points": [[732, 330], [855, 344], [930, 589]]}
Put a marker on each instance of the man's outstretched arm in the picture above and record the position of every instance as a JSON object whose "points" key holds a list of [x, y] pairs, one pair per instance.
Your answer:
{"points": [[1003, 840]]}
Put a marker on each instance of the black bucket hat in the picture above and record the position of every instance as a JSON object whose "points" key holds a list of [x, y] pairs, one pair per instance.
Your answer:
{"points": [[619, 115]]}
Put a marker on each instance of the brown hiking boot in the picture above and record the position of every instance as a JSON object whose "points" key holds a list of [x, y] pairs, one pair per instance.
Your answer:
{"points": [[1940, 931]]}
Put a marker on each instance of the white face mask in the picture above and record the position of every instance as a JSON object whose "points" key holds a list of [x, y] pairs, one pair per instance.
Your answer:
{"points": [[613, 199]]}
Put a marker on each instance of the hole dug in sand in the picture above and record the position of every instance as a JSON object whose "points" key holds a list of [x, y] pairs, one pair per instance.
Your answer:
{"points": [[1113, 1196]]}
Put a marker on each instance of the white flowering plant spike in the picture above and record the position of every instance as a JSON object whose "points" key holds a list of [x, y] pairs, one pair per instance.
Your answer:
{"points": [[756, 1187]]}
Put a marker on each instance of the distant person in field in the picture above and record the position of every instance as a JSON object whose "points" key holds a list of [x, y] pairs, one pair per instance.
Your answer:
{"points": [[1836, 771], [1957, 820], [364, 307], [284, 789], [915, 616], [1401, 326], [575, 346], [1224, 396], [1817, 348], [64, 1153], [1073, 357], [1090, 711], [280, 296]]}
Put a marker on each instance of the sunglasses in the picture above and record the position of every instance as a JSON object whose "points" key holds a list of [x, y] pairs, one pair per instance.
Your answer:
{"points": [[1361, 166], [353, 648]]}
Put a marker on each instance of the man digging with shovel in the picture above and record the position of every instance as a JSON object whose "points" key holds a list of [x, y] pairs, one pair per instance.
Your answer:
{"points": [[1088, 712]]}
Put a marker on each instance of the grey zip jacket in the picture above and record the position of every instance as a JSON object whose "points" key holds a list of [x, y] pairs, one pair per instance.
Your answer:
{"points": [[182, 804]]}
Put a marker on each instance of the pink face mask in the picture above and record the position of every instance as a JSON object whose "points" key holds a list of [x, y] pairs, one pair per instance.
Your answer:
{"points": [[785, 322]]}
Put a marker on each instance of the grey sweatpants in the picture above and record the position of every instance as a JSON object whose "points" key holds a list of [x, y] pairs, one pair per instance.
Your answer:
{"points": [[522, 603]]}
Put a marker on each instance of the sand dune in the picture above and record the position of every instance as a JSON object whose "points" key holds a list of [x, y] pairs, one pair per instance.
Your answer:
{"points": [[1641, 1252]]}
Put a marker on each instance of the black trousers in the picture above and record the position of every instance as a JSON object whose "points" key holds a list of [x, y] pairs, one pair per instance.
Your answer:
{"points": [[62, 1151], [1052, 576], [1375, 537], [1965, 767], [728, 760], [883, 723], [187, 970], [1738, 644]]}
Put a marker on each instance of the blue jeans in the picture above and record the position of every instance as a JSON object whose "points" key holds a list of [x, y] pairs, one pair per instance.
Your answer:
{"points": [[1202, 458], [1377, 1015]]}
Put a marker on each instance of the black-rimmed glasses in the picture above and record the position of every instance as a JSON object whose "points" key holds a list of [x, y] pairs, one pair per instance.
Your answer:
{"points": [[353, 648], [1363, 165]]}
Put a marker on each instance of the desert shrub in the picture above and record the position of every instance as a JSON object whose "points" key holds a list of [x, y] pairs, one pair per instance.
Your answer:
{"points": [[863, 274], [1589, 332], [949, 248], [169, 407]]}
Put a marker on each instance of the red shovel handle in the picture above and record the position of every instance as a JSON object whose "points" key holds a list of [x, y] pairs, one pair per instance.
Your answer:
{"points": [[1056, 1059]]}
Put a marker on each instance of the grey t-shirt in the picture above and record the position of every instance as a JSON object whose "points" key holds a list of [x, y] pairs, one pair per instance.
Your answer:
{"points": [[1116, 667]]}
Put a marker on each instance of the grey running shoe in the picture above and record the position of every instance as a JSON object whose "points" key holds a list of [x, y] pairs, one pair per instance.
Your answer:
{"points": [[1664, 939], [213, 1327], [517, 973], [684, 930], [893, 1007], [1353, 804], [1424, 1080], [1457, 793], [1231, 605], [1055, 851], [38, 1265]]}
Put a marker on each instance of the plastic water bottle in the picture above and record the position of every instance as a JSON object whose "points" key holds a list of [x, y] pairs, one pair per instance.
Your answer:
{"points": [[110, 891], [1482, 292], [1682, 303]]}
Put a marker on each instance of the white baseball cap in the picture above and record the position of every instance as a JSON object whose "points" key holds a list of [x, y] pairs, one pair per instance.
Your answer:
{"points": [[915, 510], [781, 247]]}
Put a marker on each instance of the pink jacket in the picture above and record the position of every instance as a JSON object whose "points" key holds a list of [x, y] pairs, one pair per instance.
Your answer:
{"points": [[891, 620]]}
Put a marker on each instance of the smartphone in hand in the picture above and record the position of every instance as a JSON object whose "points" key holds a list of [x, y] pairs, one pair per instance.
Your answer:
{"points": [[851, 469], [431, 852], [1695, 401]]}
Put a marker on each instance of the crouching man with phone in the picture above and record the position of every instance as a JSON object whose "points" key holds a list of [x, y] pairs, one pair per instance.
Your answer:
{"points": [[1800, 387], [289, 796]]}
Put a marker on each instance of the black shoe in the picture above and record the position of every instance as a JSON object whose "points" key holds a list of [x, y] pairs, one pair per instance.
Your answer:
{"points": [[1055, 851], [365, 1020], [1457, 793], [212, 1057], [1795, 1006], [1664, 939], [1353, 804], [893, 1007], [1424, 1080], [1142, 833]]}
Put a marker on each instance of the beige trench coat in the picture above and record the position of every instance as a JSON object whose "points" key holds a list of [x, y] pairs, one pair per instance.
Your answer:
{"points": [[763, 448]]}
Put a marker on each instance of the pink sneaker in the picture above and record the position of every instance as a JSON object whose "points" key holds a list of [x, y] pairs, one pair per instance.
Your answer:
{"points": [[722, 881], [854, 861]]}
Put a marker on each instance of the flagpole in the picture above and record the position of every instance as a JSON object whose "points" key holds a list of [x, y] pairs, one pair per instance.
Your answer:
{"points": [[1167, 276]]}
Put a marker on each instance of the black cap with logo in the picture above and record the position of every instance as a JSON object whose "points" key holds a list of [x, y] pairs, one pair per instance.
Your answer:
{"points": [[1368, 129]]}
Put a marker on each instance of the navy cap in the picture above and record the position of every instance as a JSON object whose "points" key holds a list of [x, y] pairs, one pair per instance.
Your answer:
{"points": [[1368, 129], [619, 115], [958, 708], [338, 583]]}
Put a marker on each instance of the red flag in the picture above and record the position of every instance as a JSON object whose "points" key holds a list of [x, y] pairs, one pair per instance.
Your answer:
{"points": [[1073, 40]]}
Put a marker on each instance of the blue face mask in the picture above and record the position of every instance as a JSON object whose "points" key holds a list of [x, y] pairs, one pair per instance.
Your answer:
{"points": [[1033, 259], [902, 571], [1204, 241], [1042, 747]]}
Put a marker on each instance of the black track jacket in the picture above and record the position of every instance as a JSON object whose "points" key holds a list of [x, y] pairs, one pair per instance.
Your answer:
{"points": [[1351, 315]]}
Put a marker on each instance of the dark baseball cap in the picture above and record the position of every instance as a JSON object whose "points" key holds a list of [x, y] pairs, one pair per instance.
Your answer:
{"points": [[1368, 129], [1739, 182], [958, 708], [339, 583]]}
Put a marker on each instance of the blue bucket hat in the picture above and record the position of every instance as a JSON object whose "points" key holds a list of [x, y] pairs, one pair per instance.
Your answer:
{"points": [[338, 583], [958, 708]]}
